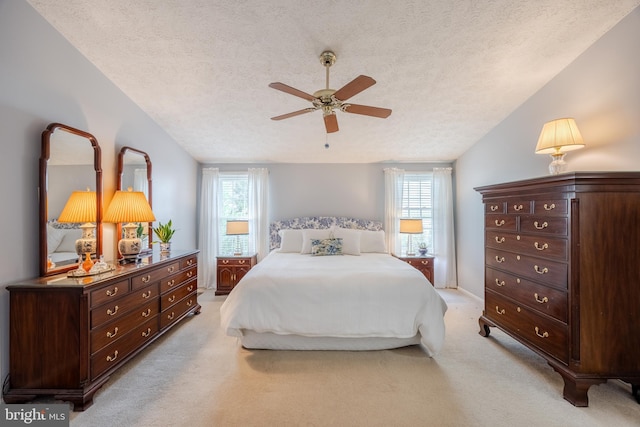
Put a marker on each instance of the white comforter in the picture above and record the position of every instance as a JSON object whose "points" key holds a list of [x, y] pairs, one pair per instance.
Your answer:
{"points": [[371, 295]]}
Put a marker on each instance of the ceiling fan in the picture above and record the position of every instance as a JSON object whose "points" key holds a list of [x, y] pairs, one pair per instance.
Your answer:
{"points": [[330, 100]]}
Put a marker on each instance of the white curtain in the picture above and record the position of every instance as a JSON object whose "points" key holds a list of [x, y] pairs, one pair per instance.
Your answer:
{"points": [[208, 234], [443, 234], [393, 183], [258, 213], [140, 182]]}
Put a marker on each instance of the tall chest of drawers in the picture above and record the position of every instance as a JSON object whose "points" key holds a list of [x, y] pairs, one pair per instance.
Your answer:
{"points": [[562, 275], [68, 335]]}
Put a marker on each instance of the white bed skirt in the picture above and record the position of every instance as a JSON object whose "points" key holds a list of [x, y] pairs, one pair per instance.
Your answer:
{"points": [[271, 341]]}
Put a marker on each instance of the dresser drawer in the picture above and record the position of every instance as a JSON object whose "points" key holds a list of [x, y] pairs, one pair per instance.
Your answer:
{"points": [[154, 275], [118, 308], [113, 331], [189, 262], [518, 206], [176, 294], [538, 269], [501, 222], [544, 299], [495, 207], [544, 224], [108, 293], [113, 354], [546, 334], [175, 312], [235, 262], [551, 207], [174, 281], [542, 246]]}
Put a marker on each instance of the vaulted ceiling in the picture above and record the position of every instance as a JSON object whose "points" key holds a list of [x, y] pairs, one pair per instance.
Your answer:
{"points": [[449, 70]]}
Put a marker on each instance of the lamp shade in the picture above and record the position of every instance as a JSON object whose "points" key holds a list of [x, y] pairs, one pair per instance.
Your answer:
{"points": [[237, 227], [559, 135], [129, 206], [81, 207], [411, 226]]}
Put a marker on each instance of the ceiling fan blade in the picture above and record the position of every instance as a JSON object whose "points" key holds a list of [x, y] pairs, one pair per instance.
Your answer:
{"points": [[365, 110], [331, 123], [292, 91], [295, 113], [354, 87]]}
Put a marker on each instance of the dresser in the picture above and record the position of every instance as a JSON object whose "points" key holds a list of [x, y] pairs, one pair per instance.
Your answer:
{"points": [[422, 263], [68, 335], [230, 269], [562, 275]]}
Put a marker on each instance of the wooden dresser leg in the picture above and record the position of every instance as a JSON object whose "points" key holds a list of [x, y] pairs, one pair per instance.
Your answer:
{"points": [[575, 389], [484, 326]]}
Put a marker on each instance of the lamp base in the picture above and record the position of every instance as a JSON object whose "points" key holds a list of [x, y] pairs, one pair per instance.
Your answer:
{"points": [[131, 245], [558, 165]]}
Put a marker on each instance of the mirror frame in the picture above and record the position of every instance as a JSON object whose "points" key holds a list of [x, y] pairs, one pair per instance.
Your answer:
{"points": [[147, 159], [43, 194]]}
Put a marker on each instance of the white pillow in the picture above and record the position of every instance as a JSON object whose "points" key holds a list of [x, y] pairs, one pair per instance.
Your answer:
{"points": [[290, 240], [310, 234], [68, 243], [372, 241], [350, 240]]}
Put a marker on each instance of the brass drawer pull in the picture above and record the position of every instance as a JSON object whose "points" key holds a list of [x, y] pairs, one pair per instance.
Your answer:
{"points": [[113, 293], [501, 312], [543, 271], [146, 295], [146, 278], [147, 333], [541, 247], [112, 358], [170, 269], [172, 298], [550, 207], [171, 282], [171, 316], [146, 313], [190, 288], [112, 334], [499, 223], [225, 261], [110, 312], [499, 239], [424, 262], [541, 301], [500, 282], [494, 208], [241, 261], [517, 208], [542, 335], [189, 274], [499, 259], [189, 303], [189, 262], [539, 226]]}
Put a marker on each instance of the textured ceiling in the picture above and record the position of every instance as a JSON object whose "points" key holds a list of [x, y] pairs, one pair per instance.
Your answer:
{"points": [[449, 70]]}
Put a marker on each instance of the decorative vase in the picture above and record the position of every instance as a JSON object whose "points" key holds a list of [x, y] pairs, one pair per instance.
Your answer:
{"points": [[165, 247], [88, 262], [422, 251]]}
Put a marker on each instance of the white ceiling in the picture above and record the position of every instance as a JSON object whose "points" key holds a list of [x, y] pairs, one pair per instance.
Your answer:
{"points": [[449, 70]]}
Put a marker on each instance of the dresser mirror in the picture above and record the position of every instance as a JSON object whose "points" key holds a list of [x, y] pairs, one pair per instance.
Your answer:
{"points": [[70, 161], [134, 171]]}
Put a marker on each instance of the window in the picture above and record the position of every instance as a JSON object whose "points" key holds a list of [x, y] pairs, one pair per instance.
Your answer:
{"points": [[417, 202], [234, 204]]}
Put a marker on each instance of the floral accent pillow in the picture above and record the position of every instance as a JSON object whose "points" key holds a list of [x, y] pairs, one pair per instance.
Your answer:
{"points": [[323, 247]]}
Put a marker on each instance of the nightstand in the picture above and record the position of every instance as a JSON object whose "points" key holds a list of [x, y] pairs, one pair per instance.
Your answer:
{"points": [[232, 268], [422, 263]]}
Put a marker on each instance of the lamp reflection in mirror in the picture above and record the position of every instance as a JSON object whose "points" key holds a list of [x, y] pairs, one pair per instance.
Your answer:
{"points": [[556, 138], [410, 226], [129, 207], [81, 208], [237, 228]]}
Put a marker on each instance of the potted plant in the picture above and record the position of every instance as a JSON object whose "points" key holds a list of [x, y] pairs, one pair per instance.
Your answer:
{"points": [[422, 248], [164, 233]]}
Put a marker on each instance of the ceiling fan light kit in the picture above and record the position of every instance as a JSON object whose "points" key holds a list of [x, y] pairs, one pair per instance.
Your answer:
{"points": [[330, 100]]}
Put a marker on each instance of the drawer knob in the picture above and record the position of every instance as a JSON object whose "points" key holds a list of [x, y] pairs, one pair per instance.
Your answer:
{"points": [[114, 357], [541, 247], [541, 335], [539, 226], [517, 208], [550, 207], [500, 282], [499, 239], [544, 270], [146, 313], [113, 292], [499, 223], [541, 301], [499, 259], [146, 295], [112, 312], [494, 208], [112, 334], [146, 333], [500, 312], [146, 278]]}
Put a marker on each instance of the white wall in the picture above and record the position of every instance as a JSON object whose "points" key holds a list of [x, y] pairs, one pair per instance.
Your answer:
{"points": [[601, 90], [44, 79]]}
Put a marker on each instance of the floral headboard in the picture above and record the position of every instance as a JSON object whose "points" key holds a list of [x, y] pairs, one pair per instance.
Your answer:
{"points": [[319, 222]]}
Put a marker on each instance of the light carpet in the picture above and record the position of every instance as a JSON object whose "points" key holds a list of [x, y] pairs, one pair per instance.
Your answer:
{"points": [[198, 376]]}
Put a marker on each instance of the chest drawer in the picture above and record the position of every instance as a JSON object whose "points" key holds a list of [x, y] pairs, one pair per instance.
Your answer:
{"points": [[176, 311], [551, 207], [176, 294], [538, 269], [154, 275], [174, 281], [108, 293], [189, 262], [544, 224], [550, 301], [117, 308], [542, 332], [501, 222], [542, 246]]}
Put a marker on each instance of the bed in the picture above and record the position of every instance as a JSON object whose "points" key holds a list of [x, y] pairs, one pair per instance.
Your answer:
{"points": [[329, 284]]}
